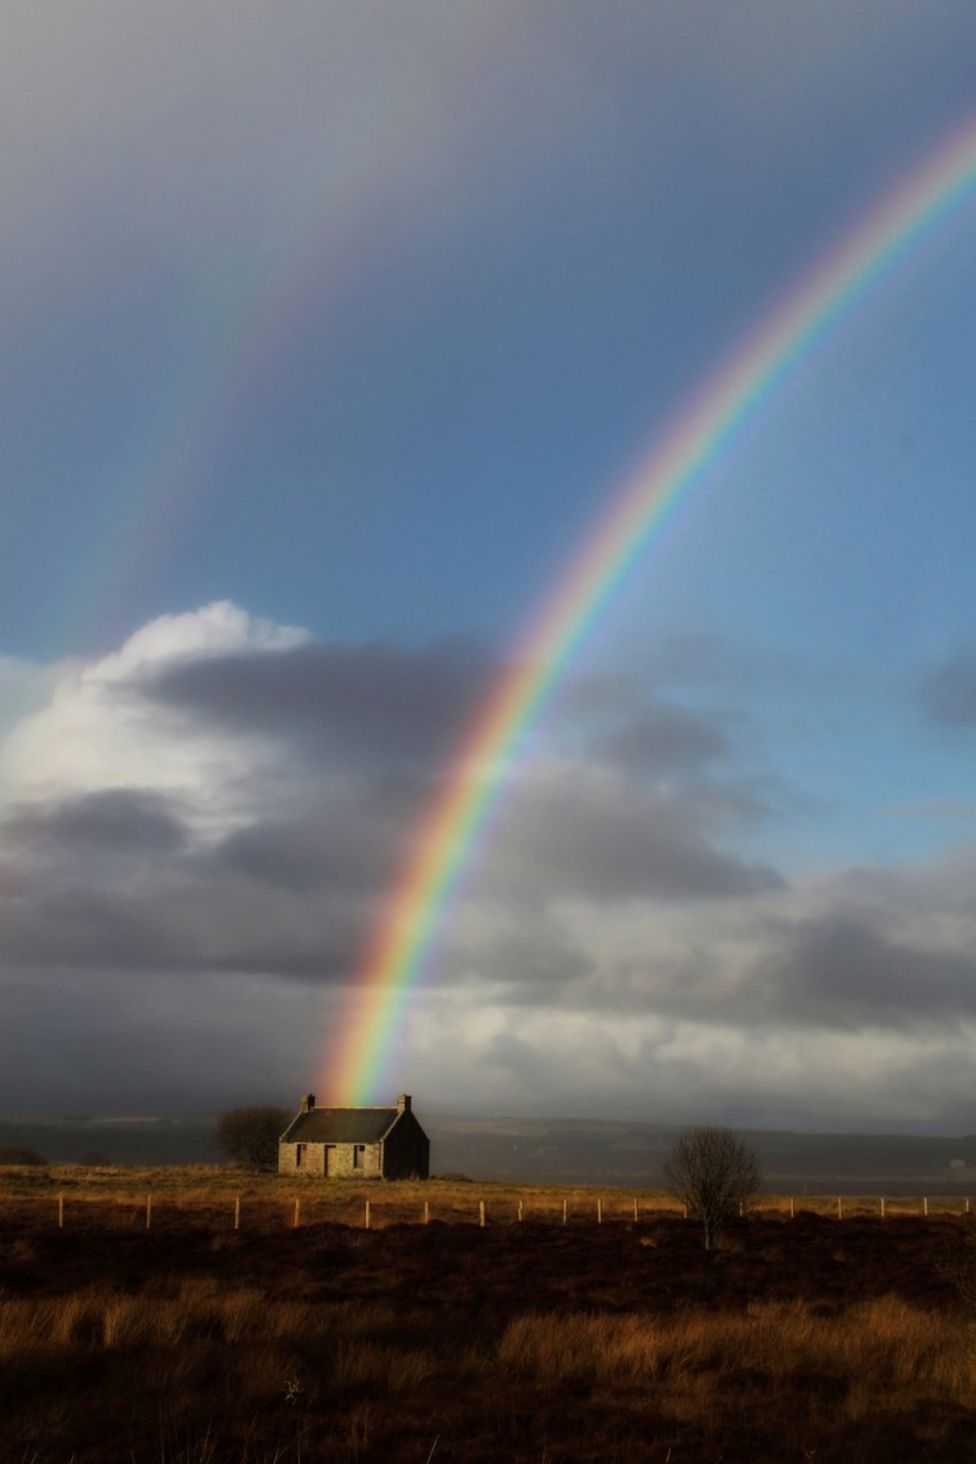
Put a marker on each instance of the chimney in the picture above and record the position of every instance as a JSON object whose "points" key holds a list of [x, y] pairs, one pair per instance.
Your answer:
{"points": [[403, 1103], [307, 1102]]}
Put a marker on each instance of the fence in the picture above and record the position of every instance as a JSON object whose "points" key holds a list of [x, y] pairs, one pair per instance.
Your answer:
{"points": [[241, 1212]]}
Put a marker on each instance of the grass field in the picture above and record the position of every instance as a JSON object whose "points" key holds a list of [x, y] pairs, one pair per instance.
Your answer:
{"points": [[803, 1339], [212, 1192]]}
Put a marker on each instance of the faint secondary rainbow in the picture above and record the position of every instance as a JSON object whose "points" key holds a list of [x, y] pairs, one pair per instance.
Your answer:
{"points": [[695, 441]]}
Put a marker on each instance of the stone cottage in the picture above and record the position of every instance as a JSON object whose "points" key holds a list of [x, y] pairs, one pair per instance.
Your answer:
{"points": [[355, 1143]]}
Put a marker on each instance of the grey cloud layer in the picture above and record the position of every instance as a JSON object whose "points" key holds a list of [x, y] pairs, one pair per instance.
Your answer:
{"points": [[608, 837], [350, 745], [614, 891], [120, 819], [374, 704], [838, 971]]}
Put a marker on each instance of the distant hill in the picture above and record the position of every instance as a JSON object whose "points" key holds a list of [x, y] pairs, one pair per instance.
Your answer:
{"points": [[137, 1140], [555, 1151], [571, 1151]]}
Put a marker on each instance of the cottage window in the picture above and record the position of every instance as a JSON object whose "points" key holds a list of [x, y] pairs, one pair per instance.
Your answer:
{"points": [[358, 1150], [299, 1155]]}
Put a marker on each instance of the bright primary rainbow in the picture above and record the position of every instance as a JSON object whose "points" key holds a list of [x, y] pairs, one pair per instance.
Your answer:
{"points": [[676, 462]]}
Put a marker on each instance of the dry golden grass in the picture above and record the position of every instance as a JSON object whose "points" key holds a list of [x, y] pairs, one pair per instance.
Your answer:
{"points": [[881, 1349], [345, 1346], [885, 1343], [118, 1196], [888, 1346], [121, 1194], [100, 1319]]}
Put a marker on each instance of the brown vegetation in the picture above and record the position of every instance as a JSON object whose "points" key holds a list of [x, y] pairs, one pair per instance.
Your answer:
{"points": [[715, 1175], [192, 1344]]}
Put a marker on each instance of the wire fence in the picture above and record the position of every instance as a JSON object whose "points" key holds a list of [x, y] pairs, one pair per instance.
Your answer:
{"points": [[159, 1210]]}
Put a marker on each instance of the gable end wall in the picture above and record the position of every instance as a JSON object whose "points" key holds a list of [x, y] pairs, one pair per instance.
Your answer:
{"points": [[406, 1150]]}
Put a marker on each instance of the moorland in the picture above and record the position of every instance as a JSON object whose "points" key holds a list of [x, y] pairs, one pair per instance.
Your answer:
{"points": [[191, 1342], [531, 1151]]}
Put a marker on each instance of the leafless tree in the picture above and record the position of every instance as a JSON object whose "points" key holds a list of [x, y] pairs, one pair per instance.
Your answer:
{"points": [[713, 1173], [250, 1135]]}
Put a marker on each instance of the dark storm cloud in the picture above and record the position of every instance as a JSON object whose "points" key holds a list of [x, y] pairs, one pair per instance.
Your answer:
{"points": [[295, 896], [116, 820], [111, 881], [186, 921], [86, 925], [371, 704], [289, 856], [349, 843], [948, 693], [162, 1044]]}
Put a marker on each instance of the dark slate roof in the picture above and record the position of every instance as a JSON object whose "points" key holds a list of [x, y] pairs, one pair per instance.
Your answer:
{"points": [[341, 1126]]}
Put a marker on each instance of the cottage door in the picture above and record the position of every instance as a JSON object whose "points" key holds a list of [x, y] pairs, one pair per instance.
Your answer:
{"points": [[328, 1162]]}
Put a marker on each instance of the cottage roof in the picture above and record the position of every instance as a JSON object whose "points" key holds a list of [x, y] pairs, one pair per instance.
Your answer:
{"points": [[341, 1126]]}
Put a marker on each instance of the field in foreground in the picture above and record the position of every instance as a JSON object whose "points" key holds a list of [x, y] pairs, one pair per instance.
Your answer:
{"points": [[811, 1339]]}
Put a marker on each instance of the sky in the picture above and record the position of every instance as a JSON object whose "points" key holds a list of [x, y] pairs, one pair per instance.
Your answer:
{"points": [[327, 334]]}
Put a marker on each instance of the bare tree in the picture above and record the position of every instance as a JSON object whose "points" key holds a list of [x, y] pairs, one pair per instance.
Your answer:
{"points": [[250, 1135], [713, 1173]]}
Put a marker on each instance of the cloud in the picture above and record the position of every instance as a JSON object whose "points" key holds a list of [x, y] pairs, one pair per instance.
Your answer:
{"points": [[118, 819], [373, 704], [664, 736], [223, 804], [948, 694], [98, 730], [224, 793], [565, 1061], [837, 971], [572, 829]]}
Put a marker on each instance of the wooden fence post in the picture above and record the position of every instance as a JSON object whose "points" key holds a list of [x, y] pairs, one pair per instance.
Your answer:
{"points": [[366, 1219], [148, 1212], [882, 1207], [237, 1213], [636, 1216], [426, 1212], [520, 1211], [565, 1212], [60, 1212], [792, 1208], [925, 1205], [840, 1208], [298, 1211], [599, 1212], [481, 1213], [684, 1212]]}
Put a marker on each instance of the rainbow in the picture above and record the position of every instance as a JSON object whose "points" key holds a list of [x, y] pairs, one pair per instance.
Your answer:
{"points": [[694, 442]]}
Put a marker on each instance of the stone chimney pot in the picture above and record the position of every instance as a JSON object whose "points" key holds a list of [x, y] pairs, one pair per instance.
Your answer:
{"points": [[308, 1102], [403, 1103]]}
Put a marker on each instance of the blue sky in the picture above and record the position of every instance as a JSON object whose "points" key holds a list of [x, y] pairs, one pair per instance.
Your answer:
{"points": [[348, 321]]}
